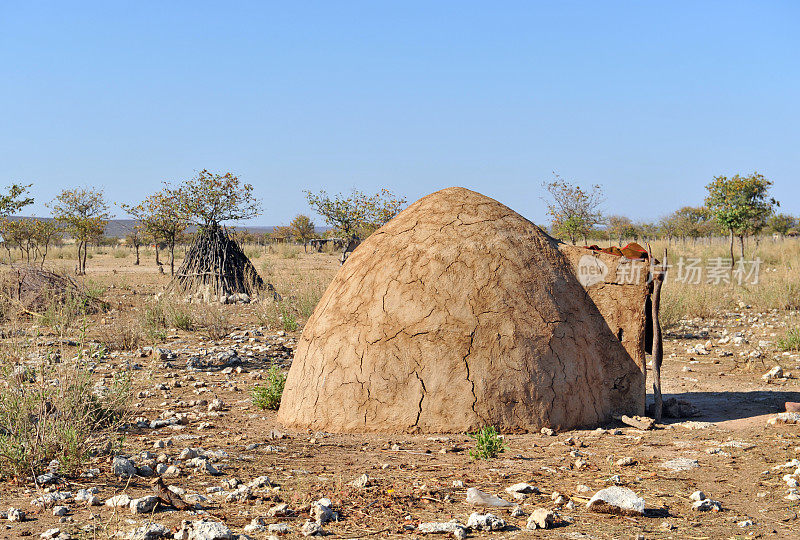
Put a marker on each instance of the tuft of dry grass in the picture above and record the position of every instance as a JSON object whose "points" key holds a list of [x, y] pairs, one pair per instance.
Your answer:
{"points": [[778, 285]]}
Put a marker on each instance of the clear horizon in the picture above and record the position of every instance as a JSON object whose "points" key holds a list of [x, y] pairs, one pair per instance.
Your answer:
{"points": [[649, 101]]}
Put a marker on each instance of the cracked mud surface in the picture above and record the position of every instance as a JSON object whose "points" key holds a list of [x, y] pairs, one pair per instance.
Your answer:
{"points": [[457, 314]]}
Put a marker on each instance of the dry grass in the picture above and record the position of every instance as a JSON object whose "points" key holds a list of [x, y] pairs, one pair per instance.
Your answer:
{"points": [[778, 285], [51, 410]]}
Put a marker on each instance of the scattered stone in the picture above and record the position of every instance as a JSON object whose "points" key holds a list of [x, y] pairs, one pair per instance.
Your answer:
{"points": [[680, 464], [255, 526], [279, 529], [639, 422], [60, 510], [451, 527], [312, 528], [361, 482], [616, 500], [150, 531], [145, 505], [485, 522], [523, 488], [280, 510], [123, 467], [204, 530], [321, 512], [541, 518], [118, 500], [626, 462], [15, 514], [547, 431], [706, 505], [774, 373], [478, 497], [784, 418], [47, 478], [697, 496], [517, 511]]}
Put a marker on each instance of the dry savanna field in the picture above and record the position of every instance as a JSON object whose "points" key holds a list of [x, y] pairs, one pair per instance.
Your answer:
{"points": [[96, 404]]}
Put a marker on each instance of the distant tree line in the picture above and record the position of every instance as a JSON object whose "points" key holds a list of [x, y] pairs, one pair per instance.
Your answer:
{"points": [[737, 207]]}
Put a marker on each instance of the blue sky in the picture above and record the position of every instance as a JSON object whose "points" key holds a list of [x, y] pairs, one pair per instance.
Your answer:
{"points": [[650, 100]]}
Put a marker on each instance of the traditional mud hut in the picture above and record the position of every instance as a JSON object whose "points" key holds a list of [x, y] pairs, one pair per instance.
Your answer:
{"points": [[461, 313]]}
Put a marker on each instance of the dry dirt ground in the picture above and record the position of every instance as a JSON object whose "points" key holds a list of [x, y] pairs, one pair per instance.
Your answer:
{"points": [[739, 460]]}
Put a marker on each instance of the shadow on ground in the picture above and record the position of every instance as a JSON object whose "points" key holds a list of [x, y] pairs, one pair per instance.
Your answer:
{"points": [[724, 406]]}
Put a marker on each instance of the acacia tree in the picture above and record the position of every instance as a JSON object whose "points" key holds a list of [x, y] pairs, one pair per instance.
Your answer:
{"points": [[356, 216], [621, 227], [160, 217], [83, 213], [781, 223], [15, 200], [214, 261], [302, 229], [741, 204], [134, 239], [573, 211]]}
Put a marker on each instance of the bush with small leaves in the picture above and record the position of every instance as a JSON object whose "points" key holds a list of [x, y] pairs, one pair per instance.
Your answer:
{"points": [[269, 395], [488, 443]]}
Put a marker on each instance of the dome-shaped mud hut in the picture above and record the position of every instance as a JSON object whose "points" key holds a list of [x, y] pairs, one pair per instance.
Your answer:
{"points": [[461, 313]]}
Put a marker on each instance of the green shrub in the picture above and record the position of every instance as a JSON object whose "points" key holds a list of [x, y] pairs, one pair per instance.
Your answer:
{"points": [[488, 443], [269, 396], [791, 341], [182, 319]]}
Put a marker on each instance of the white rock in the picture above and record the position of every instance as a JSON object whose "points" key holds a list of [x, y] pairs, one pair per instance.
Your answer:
{"points": [[321, 512], [361, 482], [15, 514], [279, 528], [150, 531], [145, 505], [311, 528], [208, 530], [541, 518], [522, 487], [697, 496], [774, 373], [784, 418], [60, 510], [123, 467], [707, 505], [616, 500], [485, 522], [680, 464], [118, 501], [451, 527], [478, 497]]}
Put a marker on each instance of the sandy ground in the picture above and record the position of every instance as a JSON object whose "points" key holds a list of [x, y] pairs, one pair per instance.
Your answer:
{"points": [[421, 478]]}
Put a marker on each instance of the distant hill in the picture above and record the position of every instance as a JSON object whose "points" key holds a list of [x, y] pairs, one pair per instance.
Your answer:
{"points": [[118, 228]]}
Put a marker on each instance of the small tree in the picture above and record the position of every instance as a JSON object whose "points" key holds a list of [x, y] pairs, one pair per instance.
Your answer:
{"points": [[282, 234], [84, 215], [134, 239], [214, 262], [302, 229], [573, 210], [781, 223], [45, 232], [15, 200], [621, 227], [160, 217], [356, 216], [741, 205]]}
